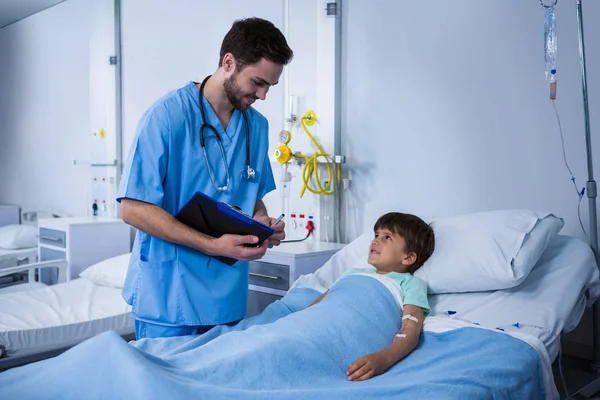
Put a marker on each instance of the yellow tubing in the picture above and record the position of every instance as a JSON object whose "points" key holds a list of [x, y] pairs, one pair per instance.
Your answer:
{"points": [[312, 165]]}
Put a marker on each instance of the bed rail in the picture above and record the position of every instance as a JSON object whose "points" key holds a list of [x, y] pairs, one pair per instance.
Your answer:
{"points": [[61, 265]]}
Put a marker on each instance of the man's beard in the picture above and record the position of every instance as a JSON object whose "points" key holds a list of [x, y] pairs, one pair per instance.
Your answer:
{"points": [[234, 93]]}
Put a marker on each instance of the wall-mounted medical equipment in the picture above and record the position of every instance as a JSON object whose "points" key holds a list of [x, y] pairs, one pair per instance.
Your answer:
{"points": [[319, 173], [310, 170], [306, 164]]}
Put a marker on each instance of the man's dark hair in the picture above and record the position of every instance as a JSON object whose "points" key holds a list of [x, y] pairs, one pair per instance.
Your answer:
{"points": [[251, 39], [417, 234]]}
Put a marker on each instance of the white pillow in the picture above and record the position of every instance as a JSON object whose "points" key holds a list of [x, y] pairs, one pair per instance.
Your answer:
{"points": [[534, 245], [489, 250], [110, 272], [14, 237]]}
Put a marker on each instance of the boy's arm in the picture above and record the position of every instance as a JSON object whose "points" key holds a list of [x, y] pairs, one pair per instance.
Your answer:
{"points": [[403, 346], [377, 363]]}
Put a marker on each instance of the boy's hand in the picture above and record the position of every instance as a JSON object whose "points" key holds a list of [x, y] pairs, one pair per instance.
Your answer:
{"points": [[368, 366]]}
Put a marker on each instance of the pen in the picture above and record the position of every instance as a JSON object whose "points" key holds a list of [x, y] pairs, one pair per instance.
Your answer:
{"points": [[277, 220]]}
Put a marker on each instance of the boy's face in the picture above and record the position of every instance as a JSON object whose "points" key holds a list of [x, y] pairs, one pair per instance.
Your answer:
{"points": [[388, 253]]}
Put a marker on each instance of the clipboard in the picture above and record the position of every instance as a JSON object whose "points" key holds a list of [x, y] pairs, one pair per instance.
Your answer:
{"points": [[215, 219]]}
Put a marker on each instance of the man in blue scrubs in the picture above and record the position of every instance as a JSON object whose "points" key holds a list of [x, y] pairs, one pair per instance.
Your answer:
{"points": [[174, 284]]}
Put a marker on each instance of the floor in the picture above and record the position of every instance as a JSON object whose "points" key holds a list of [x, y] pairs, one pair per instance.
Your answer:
{"points": [[577, 376]]}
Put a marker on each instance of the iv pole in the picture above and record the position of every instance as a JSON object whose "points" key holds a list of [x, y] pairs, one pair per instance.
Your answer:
{"points": [[594, 386], [590, 187], [591, 184]]}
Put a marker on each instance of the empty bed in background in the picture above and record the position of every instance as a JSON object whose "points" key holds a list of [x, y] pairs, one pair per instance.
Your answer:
{"points": [[37, 322]]}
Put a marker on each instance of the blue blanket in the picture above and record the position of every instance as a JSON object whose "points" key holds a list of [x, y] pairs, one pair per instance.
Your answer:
{"points": [[282, 354]]}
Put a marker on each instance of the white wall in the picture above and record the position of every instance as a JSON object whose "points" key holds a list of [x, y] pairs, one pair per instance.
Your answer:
{"points": [[446, 110], [179, 41], [44, 109], [452, 101]]}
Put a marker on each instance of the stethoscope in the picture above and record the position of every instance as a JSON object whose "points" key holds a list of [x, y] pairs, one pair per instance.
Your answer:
{"points": [[248, 173]]}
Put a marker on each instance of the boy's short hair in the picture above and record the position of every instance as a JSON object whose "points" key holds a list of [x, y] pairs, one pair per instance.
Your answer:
{"points": [[417, 234], [251, 39]]}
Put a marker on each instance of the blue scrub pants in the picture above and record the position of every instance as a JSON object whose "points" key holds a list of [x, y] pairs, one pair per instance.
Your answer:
{"points": [[147, 330]]}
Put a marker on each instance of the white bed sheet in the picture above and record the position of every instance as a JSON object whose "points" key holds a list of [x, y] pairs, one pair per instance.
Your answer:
{"points": [[22, 287], [552, 298], [59, 315], [8, 258]]}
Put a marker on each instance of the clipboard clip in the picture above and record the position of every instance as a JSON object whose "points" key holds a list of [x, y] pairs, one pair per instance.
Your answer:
{"points": [[238, 209]]}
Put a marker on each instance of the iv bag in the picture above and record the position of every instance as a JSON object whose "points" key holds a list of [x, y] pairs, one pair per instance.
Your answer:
{"points": [[550, 40]]}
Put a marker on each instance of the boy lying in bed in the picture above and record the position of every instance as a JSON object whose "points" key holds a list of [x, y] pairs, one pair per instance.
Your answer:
{"points": [[402, 243]]}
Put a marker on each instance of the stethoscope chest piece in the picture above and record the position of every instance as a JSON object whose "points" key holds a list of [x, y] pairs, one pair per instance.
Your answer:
{"points": [[249, 173]]}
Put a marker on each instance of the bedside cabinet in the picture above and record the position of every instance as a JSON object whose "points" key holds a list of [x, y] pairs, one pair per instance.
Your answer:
{"points": [[82, 242], [272, 275]]}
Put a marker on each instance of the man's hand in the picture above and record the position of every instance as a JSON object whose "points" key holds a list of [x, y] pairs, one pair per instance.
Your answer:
{"points": [[279, 235], [239, 247], [368, 366], [157, 222]]}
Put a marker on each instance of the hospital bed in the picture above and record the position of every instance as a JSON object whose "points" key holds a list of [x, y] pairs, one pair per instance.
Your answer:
{"points": [[476, 343], [548, 303], [39, 321]]}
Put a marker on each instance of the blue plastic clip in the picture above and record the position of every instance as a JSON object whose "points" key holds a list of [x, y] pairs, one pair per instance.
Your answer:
{"points": [[582, 192], [517, 325], [450, 312]]}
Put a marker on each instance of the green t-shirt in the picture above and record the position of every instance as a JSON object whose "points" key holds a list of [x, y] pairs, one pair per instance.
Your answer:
{"points": [[414, 290]]}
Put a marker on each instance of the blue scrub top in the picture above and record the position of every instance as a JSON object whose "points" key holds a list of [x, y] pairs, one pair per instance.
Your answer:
{"points": [[167, 283]]}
